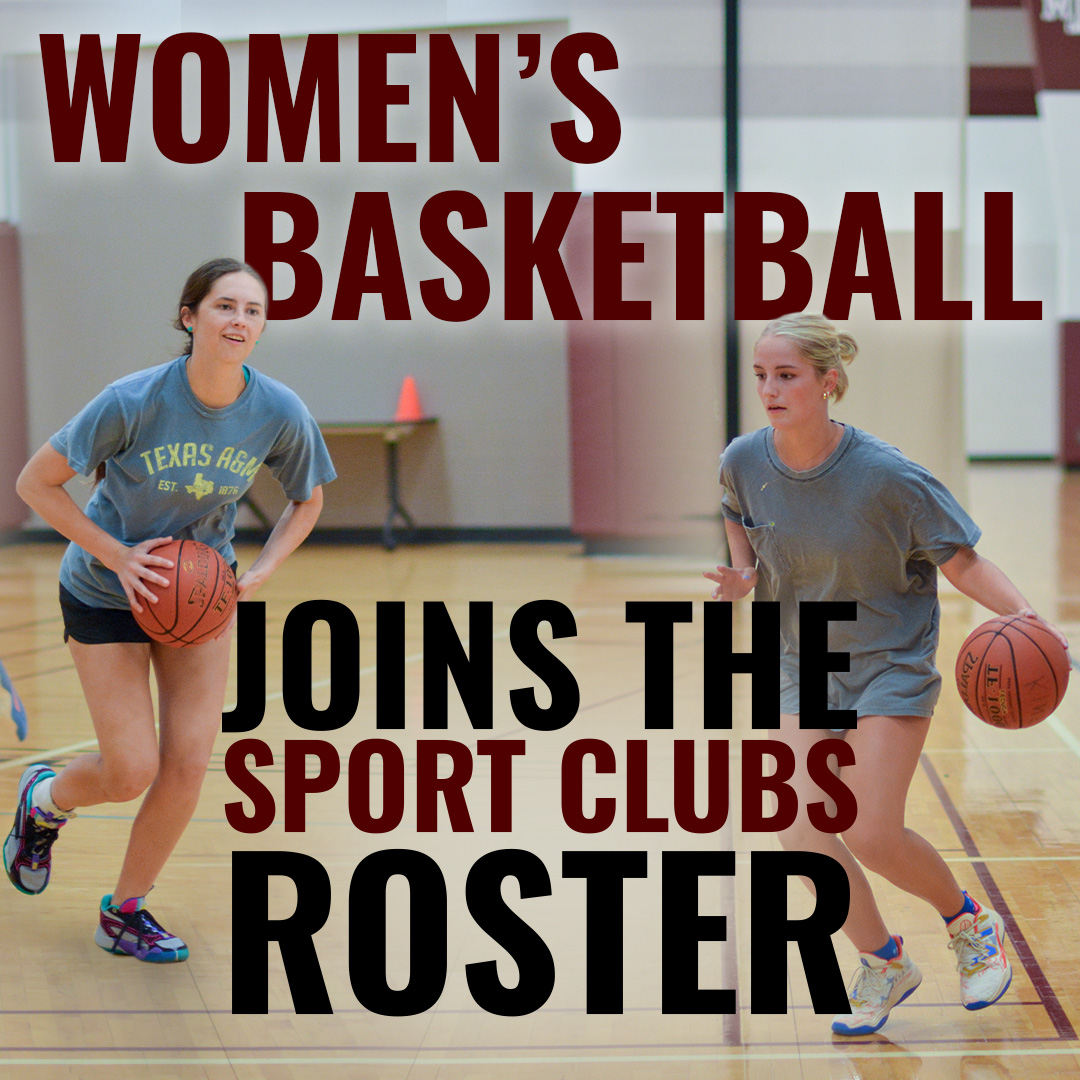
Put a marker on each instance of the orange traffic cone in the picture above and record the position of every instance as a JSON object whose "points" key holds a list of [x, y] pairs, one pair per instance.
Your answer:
{"points": [[408, 406]]}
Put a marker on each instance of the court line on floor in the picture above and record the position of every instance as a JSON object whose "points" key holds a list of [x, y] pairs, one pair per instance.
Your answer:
{"points": [[1064, 734], [730, 1024], [860, 1050], [87, 744], [1054, 1009], [569, 1010], [1011, 858], [371, 669], [974, 751], [741, 860], [1065, 1030]]}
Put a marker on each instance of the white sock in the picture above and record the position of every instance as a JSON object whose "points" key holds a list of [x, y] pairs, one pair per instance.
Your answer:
{"points": [[41, 799]]}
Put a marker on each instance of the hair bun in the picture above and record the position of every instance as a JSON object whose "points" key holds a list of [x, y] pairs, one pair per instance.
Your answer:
{"points": [[846, 347]]}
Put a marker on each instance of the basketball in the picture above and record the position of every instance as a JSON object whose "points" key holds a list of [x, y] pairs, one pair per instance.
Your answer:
{"points": [[1012, 672], [198, 601]]}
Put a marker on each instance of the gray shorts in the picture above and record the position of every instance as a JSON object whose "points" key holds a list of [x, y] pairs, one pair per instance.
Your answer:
{"points": [[897, 691]]}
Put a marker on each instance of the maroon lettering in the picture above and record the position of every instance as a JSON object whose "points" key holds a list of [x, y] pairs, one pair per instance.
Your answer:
{"points": [[610, 252], [502, 753], [262, 251], [998, 268], [525, 252], [68, 104], [479, 107], [377, 94], [861, 222], [573, 786], [213, 98], [567, 76], [930, 261], [637, 790], [752, 252], [267, 77], [371, 231], [689, 208], [441, 242], [429, 784], [393, 786]]}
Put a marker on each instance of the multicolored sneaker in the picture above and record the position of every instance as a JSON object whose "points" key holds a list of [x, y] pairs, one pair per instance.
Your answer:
{"points": [[130, 930], [28, 847], [876, 988], [978, 939]]}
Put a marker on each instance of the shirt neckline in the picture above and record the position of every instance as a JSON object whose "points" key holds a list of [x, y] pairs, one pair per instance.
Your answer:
{"points": [[818, 470], [201, 407]]}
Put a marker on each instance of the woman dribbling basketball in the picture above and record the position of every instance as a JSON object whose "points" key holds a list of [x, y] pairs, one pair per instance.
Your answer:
{"points": [[821, 511], [173, 447]]}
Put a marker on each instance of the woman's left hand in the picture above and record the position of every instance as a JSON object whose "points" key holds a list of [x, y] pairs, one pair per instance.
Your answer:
{"points": [[1029, 613], [246, 584], [296, 521]]}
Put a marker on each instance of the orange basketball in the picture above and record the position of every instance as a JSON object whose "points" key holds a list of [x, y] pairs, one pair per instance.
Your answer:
{"points": [[198, 601], [1012, 672]]}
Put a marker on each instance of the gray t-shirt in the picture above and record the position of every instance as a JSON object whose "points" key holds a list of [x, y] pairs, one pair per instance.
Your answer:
{"points": [[866, 525], [175, 467]]}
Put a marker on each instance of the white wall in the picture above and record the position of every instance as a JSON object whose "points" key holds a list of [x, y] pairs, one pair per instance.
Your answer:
{"points": [[837, 95], [1011, 367], [106, 248]]}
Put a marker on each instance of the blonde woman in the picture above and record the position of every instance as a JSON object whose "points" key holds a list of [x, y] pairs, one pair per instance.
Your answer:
{"points": [[816, 510]]}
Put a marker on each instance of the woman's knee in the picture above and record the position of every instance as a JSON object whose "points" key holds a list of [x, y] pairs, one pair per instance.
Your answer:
{"points": [[183, 772], [803, 836], [125, 777], [875, 846]]}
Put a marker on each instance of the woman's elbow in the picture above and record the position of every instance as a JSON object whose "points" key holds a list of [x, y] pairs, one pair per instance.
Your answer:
{"points": [[47, 469], [313, 506], [29, 484], [22, 486], [960, 563]]}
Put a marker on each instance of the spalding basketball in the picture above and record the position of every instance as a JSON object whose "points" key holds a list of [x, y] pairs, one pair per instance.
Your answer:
{"points": [[197, 603], [1012, 672]]}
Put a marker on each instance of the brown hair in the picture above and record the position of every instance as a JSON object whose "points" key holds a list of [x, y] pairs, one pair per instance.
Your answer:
{"points": [[201, 280]]}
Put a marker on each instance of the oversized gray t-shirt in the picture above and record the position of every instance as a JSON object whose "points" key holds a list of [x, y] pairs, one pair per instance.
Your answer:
{"points": [[175, 467], [866, 525]]}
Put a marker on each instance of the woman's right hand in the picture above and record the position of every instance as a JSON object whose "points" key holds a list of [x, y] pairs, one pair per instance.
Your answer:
{"points": [[732, 583], [134, 566]]}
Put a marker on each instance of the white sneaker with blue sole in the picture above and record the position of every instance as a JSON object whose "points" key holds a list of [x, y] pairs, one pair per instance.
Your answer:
{"points": [[876, 989], [978, 939]]}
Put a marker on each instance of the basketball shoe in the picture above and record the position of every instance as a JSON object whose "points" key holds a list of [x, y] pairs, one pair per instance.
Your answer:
{"points": [[28, 848], [130, 930], [978, 939], [876, 988]]}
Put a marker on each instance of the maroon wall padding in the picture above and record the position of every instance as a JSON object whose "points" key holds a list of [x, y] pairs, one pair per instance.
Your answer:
{"points": [[644, 396], [1069, 358], [13, 429], [1057, 50], [591, 376], [1002, 91]]}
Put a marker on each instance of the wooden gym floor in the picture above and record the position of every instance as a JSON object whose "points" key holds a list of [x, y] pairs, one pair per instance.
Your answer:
{"points": [[1002, 808]]}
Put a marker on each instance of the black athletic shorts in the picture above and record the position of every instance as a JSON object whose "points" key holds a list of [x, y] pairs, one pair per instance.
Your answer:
{"points": [[97, 625]]}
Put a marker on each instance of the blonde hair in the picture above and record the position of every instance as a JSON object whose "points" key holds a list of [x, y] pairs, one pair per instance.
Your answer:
{"points": [[819, 342]]}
